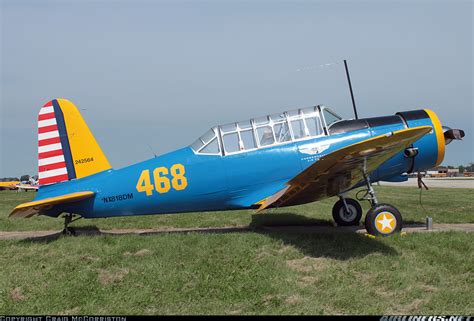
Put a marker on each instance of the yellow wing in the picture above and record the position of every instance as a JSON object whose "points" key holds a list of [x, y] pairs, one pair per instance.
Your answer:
{"points": [[342, 169], [8, 184], [31, 208]]}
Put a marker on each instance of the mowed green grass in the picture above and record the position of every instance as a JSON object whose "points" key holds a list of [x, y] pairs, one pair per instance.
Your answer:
{"points": [[252, 272], [445, 205], [239, 273]]}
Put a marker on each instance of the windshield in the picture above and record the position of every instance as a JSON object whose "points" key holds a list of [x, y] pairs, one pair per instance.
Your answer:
{"points": [[207, 143], [330, 117]]}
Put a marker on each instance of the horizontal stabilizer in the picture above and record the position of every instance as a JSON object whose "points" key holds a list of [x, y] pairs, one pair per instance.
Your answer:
{"points": [[33, 208]]}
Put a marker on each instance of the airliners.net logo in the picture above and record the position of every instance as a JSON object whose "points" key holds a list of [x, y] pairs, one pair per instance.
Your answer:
{"points": [[426, 318]]}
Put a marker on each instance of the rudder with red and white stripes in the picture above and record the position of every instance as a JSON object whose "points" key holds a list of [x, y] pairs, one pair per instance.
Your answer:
{"points": [[51, 161], [66, 148]]}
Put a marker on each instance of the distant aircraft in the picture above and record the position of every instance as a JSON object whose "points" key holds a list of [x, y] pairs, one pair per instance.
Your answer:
{"points": [[289, 158], [25, 186], [30, 185], [9, 185]]}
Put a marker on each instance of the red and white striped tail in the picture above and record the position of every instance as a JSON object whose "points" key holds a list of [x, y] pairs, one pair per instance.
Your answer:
{"points": [[51, 162]]}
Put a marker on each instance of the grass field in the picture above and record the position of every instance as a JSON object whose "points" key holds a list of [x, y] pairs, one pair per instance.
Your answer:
{"points": [[251, 272]]}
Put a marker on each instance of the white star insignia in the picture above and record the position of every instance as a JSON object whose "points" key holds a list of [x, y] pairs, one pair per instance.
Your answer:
{"points": [[386, 222]]}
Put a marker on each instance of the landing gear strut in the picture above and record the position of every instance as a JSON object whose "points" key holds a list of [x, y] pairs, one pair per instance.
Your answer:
{"points": [[68, 231], [370, 196], [381, 219]]}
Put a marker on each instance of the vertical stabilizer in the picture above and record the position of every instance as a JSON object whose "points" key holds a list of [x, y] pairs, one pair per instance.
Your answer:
{"points": [[66, 147]]}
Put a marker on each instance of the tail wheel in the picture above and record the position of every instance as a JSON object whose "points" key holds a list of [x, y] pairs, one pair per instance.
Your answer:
{"points": [[347, 218], [384, 220], [69, 231]]}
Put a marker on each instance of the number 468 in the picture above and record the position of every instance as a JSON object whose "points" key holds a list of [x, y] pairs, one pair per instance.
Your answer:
{"points": [[162, 183]]}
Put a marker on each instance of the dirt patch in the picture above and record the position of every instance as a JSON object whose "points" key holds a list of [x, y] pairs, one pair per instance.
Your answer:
{"points": [[285, 249], [308, 264], [139, 253], [429, 288], [235, 312], [410, 308], [17, 296], [307, 280], [269, 299], [384, 293], [292, 300], [262, 256], [263, 253], [88, 258], [143, 252], [73, 311], [235, 309], [107, 277], [364, 277]]}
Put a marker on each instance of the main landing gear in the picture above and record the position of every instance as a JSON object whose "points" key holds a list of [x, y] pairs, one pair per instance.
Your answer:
{"points": [[69, 231], [381, 219]]}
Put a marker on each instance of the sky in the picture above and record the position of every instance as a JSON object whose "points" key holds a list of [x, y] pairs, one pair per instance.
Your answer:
{"points": [[152, 76]]}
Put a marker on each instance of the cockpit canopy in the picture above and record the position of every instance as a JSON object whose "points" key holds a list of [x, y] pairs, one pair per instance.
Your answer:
{"points": [[261, 132]]}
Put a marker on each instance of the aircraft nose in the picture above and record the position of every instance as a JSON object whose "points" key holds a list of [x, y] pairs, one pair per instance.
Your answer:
{"points": [[452, 134]]}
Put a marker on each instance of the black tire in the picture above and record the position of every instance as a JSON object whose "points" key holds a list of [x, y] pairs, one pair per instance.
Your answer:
{"points": [[387, 213], [347, 219], [69, 231]]}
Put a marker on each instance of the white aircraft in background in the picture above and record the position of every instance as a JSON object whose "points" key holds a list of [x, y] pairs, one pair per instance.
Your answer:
{"points": [[25, 186]]}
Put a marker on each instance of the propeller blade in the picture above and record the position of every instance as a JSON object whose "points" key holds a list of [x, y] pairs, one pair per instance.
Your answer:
{"points": [[450, 134]]}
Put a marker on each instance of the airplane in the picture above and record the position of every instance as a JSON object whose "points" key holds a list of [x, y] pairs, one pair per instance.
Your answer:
{"points": [[10, 185], [25, 186], [284, 159], [30, 185], [19, 186]]}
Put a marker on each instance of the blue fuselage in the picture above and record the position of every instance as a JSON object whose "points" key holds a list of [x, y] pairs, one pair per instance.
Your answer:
{"points": [[188, 182]]}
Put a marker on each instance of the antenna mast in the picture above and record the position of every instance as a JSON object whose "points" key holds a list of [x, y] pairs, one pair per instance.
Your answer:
{"points": [[350, 88]]}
